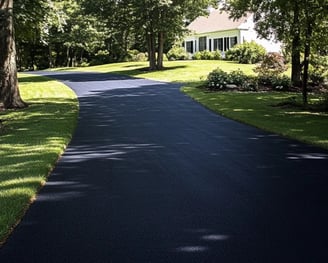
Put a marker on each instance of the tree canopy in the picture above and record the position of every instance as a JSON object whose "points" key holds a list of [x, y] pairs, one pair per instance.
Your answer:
{"points": [[300, 24]]}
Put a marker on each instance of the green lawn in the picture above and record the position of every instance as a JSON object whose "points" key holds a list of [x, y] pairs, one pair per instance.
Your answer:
{"points": [[31, 142], [259, 110], [175, 71], [252, 108]]}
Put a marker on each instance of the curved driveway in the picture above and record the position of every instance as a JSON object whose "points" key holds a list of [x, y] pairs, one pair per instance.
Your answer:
{"points": [[151, 176]]}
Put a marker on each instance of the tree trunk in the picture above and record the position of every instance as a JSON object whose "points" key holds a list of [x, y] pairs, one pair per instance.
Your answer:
{"points": [[51, 63], [160, 50], [68, 57], [296, 47], [307, 52], [151, 51], [9, 91]]}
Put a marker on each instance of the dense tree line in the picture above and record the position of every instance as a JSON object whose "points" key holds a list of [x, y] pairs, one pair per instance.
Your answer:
{"points": [[65, 33], [301, 24], [71, 32], [51, 33]]}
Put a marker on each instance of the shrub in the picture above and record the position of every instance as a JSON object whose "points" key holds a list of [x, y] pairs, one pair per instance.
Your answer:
{"points": [[197, 56], [217, 55], [101, 57], [141, 57], [237, 77], [207, 55], [136, 55], [217, 79], [281, 82], [318, 70], [203, 55], [270, 71], [177, 53], [251, 84], [272, 64], [246, 53]]}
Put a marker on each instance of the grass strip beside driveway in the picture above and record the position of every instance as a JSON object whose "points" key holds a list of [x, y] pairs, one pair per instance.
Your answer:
{"points": [[31, 142], [257, 109]]}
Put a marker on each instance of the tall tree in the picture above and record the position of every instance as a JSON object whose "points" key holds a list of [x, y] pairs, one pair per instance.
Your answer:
{"points": [[159, 20], [9, 90], [296, 23]]}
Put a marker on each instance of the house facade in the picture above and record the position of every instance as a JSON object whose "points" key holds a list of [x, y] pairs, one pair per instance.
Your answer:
{"points": [[218, 32]]}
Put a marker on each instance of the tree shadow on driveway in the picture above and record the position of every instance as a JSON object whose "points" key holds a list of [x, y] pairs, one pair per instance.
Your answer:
{"points": [[151, 176]]}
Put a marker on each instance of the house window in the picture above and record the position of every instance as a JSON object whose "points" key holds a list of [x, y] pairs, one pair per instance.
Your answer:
{"points": [[218, 44], [202, 43], [210, 44], [233, 41], [226, 43], [190, 46]]}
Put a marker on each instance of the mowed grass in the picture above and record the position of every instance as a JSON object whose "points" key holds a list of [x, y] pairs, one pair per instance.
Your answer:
{"points": [[261, 110], [175, 71], [31, 142], [251, 108]]}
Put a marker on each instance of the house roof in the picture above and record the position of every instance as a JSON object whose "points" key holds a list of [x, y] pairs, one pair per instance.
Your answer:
{"points": [[217, 20]]}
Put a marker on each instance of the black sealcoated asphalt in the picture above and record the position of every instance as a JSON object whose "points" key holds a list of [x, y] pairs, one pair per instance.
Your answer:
{"points": [[152, 176]]}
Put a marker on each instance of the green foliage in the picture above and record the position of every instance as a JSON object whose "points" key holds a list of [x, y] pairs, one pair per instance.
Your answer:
{"points": [[280, 82], [220, 80], [217, 55], [197, 56], [101, 57], [177, 53], [217, 79], [207, 55], [246, 53], [237, 77], [273, 63], [270, 71], [318, 71], [136, 55]]}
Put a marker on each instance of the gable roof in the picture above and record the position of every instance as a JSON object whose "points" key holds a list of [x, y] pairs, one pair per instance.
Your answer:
{"points": [[217, 20]]}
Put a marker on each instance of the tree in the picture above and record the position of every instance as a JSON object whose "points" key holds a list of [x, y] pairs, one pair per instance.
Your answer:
{"points": [[159, 20], [118, 18], [9, 90], [296, 23]]}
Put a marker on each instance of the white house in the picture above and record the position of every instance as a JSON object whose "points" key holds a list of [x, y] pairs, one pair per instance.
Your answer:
{"points": [[218, 32]]}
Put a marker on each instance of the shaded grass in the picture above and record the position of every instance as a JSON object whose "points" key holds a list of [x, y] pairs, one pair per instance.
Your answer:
{"points": [[259, 110], [31, 142], [175, 71]]}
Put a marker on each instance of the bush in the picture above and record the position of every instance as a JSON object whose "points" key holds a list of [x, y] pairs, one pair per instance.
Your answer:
{"points": [[246, 53], [270, 71], [136, 55], [272, 64], [217, 79], [197, 56], [207, 55], [217, 55], [282, 82], [101, 57], [177, 53], [237, 77], [318, 70]]}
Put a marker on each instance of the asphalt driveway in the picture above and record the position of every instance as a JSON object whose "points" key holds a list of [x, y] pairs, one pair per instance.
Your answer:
{"points": [[152, 176]]}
